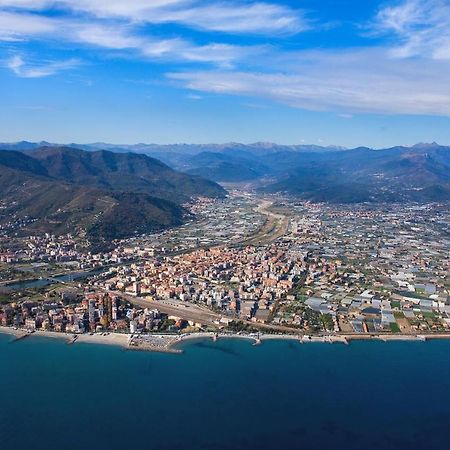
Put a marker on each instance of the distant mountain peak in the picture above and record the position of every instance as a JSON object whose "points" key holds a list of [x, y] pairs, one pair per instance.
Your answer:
{"points": [[426, 145], [264, 144]]}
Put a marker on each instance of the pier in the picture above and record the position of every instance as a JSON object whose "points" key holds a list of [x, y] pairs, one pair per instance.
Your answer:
{"points": [[21, 335]]}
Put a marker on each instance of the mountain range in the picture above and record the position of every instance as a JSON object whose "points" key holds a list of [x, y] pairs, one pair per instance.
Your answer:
{"points": [[98, 194], [420, 173], [110, 191], [400, 174]]}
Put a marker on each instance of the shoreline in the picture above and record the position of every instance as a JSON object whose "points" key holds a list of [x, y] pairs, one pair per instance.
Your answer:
{"points": [[70, 338], [169, 343]]}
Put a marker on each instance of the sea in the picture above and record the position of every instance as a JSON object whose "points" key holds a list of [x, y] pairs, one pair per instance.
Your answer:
{"points": [[225, 395]]}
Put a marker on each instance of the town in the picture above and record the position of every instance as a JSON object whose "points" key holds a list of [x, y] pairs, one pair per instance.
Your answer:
{"points": [[246, 264]]}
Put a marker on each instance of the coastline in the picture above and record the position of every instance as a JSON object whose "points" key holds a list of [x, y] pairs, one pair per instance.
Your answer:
{"points": [[97, 338], [169, 343]]}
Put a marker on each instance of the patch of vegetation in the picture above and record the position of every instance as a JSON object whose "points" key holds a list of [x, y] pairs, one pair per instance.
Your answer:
{"points": [[413, 295], [166, 324], [237, 326], [394, 327], [327, 321], [313, 319], [4, 299], [293, 308]]}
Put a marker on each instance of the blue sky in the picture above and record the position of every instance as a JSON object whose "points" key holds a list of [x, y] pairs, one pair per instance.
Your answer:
{"points": [[344, 72]]}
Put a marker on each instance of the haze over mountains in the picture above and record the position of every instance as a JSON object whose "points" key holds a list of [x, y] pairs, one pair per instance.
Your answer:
{"points": [[110, 191], [334, 174], [419, 174], [326, 174]]}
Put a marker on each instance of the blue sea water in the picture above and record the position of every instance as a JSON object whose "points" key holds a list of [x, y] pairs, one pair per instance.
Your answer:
{"points": [[225, 395]]}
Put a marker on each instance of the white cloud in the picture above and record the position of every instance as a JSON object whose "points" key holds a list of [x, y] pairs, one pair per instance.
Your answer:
{"points": [[236, 16], [119, 36], [118, 25], [116, 38], [407, 76], [117, 7], [422, 28], [222, 54], [368, 81], [16, 26], [43, 69]]}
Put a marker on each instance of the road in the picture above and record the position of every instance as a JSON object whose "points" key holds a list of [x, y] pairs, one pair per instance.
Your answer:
{"points": [[194, 313], [184, 310], [275, 226]]}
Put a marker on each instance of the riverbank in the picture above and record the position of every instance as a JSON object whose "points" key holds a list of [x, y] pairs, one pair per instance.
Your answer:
{"points": [[49, 279]]}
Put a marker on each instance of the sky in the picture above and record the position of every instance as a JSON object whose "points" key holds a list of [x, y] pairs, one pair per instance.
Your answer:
{"points": [[325, 72]]}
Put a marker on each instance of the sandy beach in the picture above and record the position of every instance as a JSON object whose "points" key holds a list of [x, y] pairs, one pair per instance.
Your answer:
{"points": [[98, 338], [108, 339], [169, 343], [12, 331]]}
